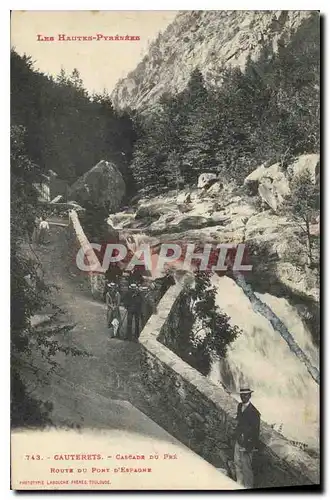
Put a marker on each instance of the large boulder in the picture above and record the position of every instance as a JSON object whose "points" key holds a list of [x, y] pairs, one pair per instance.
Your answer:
{"points": [[206, 180], [254, 177], [184, 197], [311, 163], [270, 183], [265, 191], [102, 186], [215, 190]]}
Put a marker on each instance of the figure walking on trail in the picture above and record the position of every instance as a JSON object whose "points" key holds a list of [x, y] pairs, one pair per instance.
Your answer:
{"points": [[112, 299], [43, 231], [133, 302], [35, 229], [246, 438], [112, 275]]}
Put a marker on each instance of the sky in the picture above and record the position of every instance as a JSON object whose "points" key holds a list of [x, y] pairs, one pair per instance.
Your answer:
{"points": [[101, 63]]}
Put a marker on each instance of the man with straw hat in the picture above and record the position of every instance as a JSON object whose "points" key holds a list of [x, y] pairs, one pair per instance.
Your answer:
{"points": [[246, 438]]}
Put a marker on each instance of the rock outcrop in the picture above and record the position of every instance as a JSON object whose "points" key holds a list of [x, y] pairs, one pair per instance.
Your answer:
{"points": [[206, 180], [228, 214], [270, 183], [273, 183], [311, 163], [101, 186], [209, 40]]}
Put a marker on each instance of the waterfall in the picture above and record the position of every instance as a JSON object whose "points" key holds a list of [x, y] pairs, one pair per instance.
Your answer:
{"points": [[261, 307], [285, 393]]}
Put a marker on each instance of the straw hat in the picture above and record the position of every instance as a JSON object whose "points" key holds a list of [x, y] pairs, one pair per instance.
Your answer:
{"points": [[245, 390]]}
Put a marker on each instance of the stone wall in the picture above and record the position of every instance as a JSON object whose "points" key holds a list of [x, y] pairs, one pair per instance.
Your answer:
{"points": [[78, 241], [177, 397], [201, 414]]}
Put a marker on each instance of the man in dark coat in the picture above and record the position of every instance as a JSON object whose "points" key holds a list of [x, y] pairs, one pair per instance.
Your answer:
{"points": [[246, 438], [112, 275], [133, 302], [112, 299]]}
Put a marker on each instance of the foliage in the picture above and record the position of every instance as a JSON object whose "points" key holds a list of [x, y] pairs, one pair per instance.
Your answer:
{"points": [[302, 206], [67, 130], [268, 113], [29, 293], [210, 333]]}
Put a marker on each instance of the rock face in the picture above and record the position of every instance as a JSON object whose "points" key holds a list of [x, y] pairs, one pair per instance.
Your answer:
{"points": [[215, 189], [103, 186], [209, 40], [271, 184], [183, 198], [206, 180], [311, 163], [227, 214]]}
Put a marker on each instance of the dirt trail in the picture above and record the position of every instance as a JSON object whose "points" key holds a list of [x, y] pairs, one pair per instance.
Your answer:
{"points": [[79, 382]]}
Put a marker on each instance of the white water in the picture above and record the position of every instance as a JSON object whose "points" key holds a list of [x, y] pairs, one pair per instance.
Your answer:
{"points": [[285, 393]]}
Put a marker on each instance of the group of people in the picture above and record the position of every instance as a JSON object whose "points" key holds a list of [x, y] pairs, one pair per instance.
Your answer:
{"points": [[133, 300], [139, 298]]}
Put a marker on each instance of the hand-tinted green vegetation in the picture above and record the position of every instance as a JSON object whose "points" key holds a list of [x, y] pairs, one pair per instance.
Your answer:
{"points": [[269, 113], [67, 130]]}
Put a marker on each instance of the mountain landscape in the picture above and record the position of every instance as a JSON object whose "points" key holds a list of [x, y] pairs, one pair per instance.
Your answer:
{"points": [[211, 41], [212, 139]]}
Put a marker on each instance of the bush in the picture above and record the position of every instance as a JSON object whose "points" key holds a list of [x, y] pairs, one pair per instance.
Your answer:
{"points": [[210, 333]]}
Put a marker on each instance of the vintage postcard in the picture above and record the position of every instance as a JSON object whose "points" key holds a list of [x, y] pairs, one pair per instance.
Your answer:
{"points": [[165, 240]]}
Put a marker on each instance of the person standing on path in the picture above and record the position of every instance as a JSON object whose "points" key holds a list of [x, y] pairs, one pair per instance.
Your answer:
{"points": [[133, 302], [112, 299], [112, 275], [246, 438], [43, 230]]}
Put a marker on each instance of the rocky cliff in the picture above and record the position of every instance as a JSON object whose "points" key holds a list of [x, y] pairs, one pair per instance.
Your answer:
{"points": [[209, 40]]}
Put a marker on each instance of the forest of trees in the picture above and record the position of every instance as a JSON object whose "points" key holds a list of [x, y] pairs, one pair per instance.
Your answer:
{"points": [[67, 130], [269, 113]]}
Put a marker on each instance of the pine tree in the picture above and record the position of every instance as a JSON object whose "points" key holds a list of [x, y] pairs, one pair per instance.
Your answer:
{"points": [[66, 130], [302, 206], [198, 133]]}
